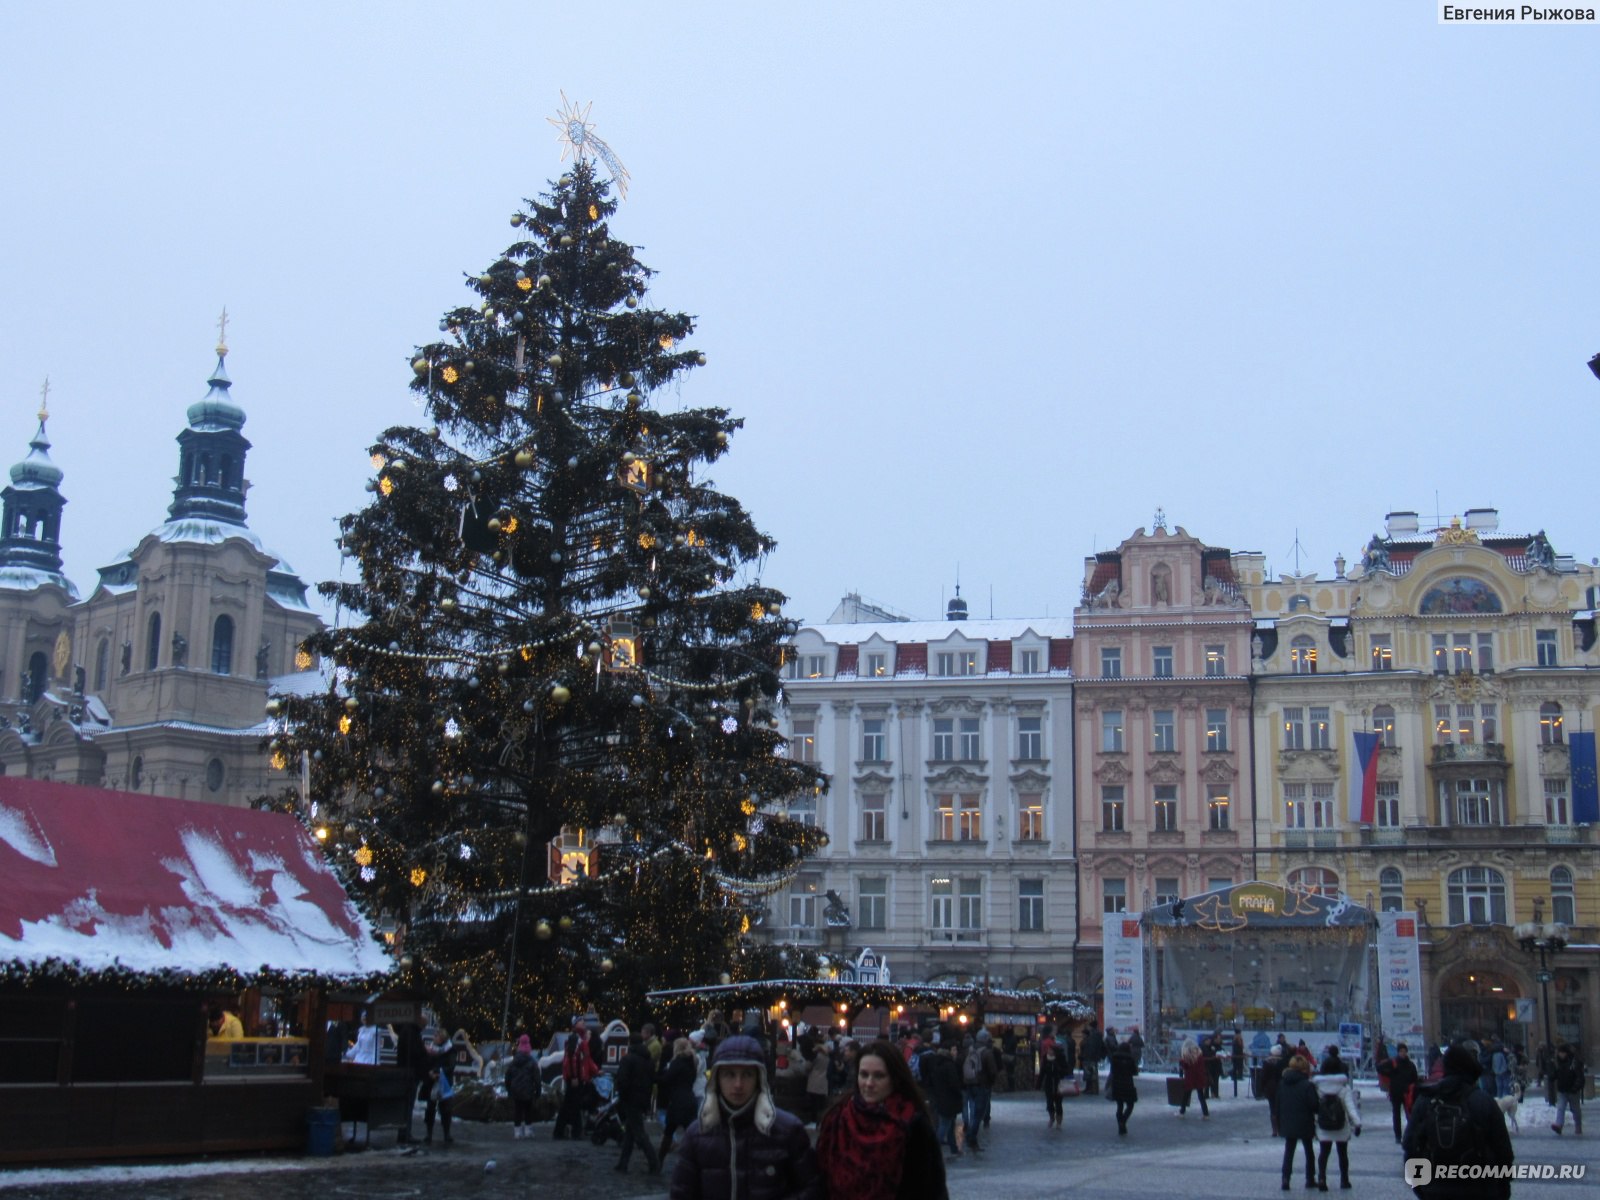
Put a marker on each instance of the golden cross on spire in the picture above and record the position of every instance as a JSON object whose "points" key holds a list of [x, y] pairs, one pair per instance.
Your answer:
{"points": [[44, 401], [222, 332]]}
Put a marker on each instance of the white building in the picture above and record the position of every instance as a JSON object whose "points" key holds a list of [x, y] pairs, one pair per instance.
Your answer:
{"points": [[949, 744]]}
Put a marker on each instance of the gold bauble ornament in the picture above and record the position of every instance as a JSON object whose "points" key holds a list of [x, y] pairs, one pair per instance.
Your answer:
{"points": [[554, 360], [351, 704], [700, 360], [566, 239], [419, 365], [560, 694], [494, 524], [565, 922], [725, 978], [542, 931], [448, 604], [607, 965], [524, 459], [632, 302]]}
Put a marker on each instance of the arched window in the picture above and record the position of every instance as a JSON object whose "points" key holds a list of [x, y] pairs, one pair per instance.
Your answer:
{"points": [[215, 774], [225, 478], [1563, 904], [1383, 724], [1318, 880], [1550, 724], [1303, 655], [152, 644], [102, 664], [38, 676], [222, 646], [1299, 603], [136, 774], [1477, 896], [1392, 897]]}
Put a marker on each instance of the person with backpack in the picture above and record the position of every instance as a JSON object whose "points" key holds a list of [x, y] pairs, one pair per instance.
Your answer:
{"points": [[1338, 1116], [1297, 1117], [1454, 1122], [1569, 1089]]}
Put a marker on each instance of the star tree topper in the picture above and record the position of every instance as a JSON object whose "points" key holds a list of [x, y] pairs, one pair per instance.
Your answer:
{"points": [[576, 133]]}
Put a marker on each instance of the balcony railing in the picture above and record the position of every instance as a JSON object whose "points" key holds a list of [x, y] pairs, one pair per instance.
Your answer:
{"points": [[1480, 835], [964, 937], [1305, 839], [1468, 752]]}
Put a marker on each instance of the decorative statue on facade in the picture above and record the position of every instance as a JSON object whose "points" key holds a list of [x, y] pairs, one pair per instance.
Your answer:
{"points": [[127, 657], [1376, 556], [261, 659], [1107, 597], [1540, 553], [79, 678], [180, 650]]}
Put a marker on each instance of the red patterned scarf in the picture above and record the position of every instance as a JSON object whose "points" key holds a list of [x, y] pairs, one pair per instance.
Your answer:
{"points": [[862, 1148]]}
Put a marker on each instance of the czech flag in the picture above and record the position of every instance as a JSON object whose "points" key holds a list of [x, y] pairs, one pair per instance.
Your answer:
{"points": [[1364, 779]]}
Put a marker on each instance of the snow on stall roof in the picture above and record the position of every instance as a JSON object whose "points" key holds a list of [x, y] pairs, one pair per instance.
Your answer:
{"points": [[107, 880], [997, 630]]}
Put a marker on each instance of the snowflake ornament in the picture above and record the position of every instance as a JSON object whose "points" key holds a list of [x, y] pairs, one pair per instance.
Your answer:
{"points": [[368, 874], [451, 483], [466, 852], [452, 730], [730, 725]]}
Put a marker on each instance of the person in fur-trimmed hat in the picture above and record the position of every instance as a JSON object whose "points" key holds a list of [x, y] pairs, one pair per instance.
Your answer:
{"points": [[742, 1146]]}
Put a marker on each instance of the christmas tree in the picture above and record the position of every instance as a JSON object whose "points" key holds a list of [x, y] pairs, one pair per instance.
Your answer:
{"points": [[549, 750]]}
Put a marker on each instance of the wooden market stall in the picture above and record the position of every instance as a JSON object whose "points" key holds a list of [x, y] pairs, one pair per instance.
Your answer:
{"points": [[126, 922]]}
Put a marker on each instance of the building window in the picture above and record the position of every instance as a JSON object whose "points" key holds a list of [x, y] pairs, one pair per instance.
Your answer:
{"points": [[1383, 724], [872, 905], [944, 739], [877, 665], [1391, 890], [803, 902], [1216, 729], [1382, 652], [804, 810], [102, 664], [1110, 662], [1030, 817], [152, 642], [1294, 729], [1476, 802], [1322, 805], [1026, 662], [1563, 902], [1163, 731], [1477, 896], [1111, 808], [1321, 733], [808, 666], [1294, 805], [970, 911], [1440, 644], [1550, 724], [1218, 802], [944, 818], [136, 773], [1388, 804], [1030, 738], [1111, 731], [1303, 656], [1113, 895], [1556, 809], [1544, 644], [872, 740], [967, 734], [803, 741], [944, 903], [969, 819], [1486, 652], [1161, 662], [1317, 880], [1218, 883], [222, 646], [873, 826], [1166, 808], [1167, 890], [1488, 722], [1216, 660], [1030, 905], [957, 662]]}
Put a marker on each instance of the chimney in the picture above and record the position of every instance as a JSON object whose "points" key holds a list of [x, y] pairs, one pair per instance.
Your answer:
{"points": [[1400, 524], [1483, 520]]}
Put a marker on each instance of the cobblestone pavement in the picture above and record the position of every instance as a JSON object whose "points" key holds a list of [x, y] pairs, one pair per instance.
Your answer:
{"points": [[1163, 1155]]}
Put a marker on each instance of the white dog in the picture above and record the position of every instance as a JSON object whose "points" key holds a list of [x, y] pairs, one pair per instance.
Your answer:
{"points": [[1509, 1104]]}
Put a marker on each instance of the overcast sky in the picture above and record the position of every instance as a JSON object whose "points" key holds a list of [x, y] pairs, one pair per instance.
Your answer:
{"points": [[988, 282]]}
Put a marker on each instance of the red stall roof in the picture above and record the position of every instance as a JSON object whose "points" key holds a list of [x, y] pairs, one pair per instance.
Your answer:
{"points": [[113, 881]]}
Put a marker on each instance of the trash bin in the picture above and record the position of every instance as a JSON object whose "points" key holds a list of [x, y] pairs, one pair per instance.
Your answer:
{"points": [[322, 1131]]}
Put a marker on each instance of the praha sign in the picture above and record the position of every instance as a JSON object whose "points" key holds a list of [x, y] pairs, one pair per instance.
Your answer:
{"points": [[1257, 900]]}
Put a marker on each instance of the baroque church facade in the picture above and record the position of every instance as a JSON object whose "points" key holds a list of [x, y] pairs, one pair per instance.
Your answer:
{"points": [[156, 680]]}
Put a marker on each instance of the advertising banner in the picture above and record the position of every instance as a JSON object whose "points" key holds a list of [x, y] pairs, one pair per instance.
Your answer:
{"points": [[1399, 975], [1123, 968]]}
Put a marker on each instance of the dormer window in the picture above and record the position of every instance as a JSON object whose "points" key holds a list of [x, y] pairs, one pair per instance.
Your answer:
{"points": [[957, 662]]}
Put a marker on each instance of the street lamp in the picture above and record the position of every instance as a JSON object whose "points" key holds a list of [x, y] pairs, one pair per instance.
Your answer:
{"points": [[1543, 938]]}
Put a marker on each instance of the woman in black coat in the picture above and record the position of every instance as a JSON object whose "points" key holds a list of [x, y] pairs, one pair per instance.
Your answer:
{"points": [[1121, 1086], [675, 1091], [1297, 1117]]}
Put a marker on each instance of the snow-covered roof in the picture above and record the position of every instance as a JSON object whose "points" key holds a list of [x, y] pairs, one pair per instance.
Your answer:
{"points": [[28, 579], [283, 585], [999, 630], [103, 881]]}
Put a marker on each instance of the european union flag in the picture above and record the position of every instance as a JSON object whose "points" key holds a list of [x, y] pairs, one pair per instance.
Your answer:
{"points": [[1585, 786]]}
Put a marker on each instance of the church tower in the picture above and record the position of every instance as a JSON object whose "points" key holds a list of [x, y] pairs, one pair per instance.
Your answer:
{"points": [[30, 523]]}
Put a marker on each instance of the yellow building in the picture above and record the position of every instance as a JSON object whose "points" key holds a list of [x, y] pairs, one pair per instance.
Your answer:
{"points": [[1472, 656]]}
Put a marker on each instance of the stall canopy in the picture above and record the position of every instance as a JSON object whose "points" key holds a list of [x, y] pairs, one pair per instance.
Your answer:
{"points": [[95, 882]]}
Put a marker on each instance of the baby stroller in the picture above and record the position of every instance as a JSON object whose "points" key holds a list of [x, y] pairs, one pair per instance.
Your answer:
{"points": [[604, 1123]]}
